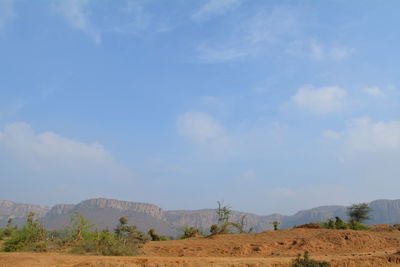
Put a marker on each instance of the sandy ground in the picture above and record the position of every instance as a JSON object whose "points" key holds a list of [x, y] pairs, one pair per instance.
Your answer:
{"points": [[340, 247]]}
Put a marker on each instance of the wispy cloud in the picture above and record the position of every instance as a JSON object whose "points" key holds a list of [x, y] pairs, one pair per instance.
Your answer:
{"points": [[267, 32], [49, 152], [135, 19], [320, 100], [371, 149], [317, 50], [77, 14], [7, 12], [214, 8], [374, 91], [264, 31]]}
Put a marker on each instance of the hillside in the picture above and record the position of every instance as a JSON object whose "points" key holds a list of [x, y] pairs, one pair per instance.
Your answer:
{"points": [[105, 213]]}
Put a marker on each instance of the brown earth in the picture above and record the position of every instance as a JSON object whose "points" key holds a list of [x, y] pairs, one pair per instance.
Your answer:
{"points": [[270, 248]]}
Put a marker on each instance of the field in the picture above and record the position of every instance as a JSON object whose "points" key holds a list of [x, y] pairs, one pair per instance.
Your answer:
{"points": [[376, 247]]}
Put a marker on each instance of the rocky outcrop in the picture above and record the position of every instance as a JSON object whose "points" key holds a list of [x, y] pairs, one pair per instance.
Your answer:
{"points": [[146, 208]]}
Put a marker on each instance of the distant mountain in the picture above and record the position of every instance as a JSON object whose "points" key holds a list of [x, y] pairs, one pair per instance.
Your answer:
{"points": [[18, 212], [106, 212]]}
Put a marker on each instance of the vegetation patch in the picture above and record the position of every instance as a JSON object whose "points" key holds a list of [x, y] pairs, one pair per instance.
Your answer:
{"points": [[305, 261]]}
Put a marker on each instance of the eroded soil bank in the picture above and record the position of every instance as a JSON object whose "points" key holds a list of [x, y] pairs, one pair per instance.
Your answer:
{"points": [[376, 247]]}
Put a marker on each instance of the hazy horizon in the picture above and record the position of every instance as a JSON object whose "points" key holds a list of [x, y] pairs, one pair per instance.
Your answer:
{"points": [[273, 107]]}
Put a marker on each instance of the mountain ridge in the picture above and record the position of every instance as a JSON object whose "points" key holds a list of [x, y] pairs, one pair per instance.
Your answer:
{"points": [[106, 212]]}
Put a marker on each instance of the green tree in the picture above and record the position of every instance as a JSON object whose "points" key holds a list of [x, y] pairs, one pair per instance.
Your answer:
{"points": [[359, 212], [223, 213], [79, 227], [123, 221]]}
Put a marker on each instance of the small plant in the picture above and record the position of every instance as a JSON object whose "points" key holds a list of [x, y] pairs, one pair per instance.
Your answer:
{"points": [[307, 262], [225, 226], [214, 229], [275, 224], [241, 225]]}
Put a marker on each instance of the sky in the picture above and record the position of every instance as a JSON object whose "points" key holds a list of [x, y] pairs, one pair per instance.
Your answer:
{"points": [[270, 106]]}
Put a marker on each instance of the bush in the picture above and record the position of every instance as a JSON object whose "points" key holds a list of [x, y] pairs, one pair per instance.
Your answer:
{"points": [[165, 238], [104, 243], [307, 262], [354, 225], [125, 241], [154, 236], [32, 236], [339, 224], [189, 232]]}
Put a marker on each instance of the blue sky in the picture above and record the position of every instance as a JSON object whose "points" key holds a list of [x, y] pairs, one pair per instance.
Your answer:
{"points": [[271, 106]]}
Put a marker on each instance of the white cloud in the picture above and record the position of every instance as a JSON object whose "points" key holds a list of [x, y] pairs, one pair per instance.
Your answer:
{"points": [[374, 91], [214, 8], [76, 13], [199, 126], [51, 153], [320, 100], [7, 13], [363, 135]]}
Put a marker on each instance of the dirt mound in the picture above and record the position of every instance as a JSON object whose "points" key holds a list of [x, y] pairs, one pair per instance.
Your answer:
{"points": [[283, 242], [309, 226]]}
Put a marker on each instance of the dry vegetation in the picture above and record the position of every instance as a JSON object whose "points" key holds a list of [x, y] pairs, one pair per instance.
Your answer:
{"points": [[333, 243]]}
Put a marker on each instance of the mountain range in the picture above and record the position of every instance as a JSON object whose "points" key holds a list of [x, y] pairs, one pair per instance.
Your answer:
{"points": [[106, 212]]}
